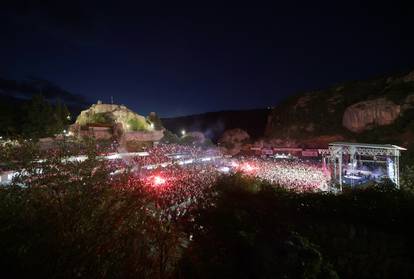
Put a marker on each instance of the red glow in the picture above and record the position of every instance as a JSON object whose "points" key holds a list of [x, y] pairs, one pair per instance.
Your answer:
{"points": [[246, 167], [157, 180]]}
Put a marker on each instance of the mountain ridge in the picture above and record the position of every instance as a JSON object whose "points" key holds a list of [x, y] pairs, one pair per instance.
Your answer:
{"points": [[379, 109]]}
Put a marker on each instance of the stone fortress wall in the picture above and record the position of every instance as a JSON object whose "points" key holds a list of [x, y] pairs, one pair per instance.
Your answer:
{"points": [[118, 129]]}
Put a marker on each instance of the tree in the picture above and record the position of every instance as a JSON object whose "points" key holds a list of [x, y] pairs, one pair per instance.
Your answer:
{"points": [[59, 123], [154, 119], [250, 240], [38, 121], [135, 124], [42, 119], [407, 179], [208, 143], [100, 118], [170, 137], [7, 121]]}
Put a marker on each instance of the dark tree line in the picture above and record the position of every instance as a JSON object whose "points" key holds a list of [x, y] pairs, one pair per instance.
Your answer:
{"points": [[256, 230], [35, 118]]}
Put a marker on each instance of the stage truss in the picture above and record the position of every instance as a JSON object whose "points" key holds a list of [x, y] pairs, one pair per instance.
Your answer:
{"points": [[380, 153]]}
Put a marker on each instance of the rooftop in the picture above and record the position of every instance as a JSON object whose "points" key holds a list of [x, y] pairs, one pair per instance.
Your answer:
{"points": [[367, 145]]}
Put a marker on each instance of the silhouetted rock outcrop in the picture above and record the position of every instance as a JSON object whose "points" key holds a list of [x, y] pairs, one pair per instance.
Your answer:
{"points": [[375, 110], [368, 114]]}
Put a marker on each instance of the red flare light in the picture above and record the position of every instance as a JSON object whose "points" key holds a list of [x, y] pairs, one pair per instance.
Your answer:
{"points": [[157, 180], [247, 167]]}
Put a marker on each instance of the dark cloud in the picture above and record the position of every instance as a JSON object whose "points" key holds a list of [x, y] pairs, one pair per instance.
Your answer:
{"points": [[27, 88]]}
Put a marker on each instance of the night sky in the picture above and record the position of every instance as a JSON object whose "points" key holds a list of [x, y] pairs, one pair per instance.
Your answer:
{"points": [[184, 60]]}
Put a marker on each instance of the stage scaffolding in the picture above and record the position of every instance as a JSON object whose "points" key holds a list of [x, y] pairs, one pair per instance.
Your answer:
{"points": [[353, 153]]}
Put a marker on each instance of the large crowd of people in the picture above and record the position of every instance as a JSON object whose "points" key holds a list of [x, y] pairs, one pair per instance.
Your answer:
{"points": [[178, 187], [297, 175], [180, 176], [168, 152], [181, 188]]}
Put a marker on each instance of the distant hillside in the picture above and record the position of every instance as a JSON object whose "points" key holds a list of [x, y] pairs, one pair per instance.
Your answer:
{"points": [[213, 124], [376, 110]]}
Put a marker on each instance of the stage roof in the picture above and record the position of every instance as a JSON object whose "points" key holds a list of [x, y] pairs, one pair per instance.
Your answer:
{"points": [[368, 145]]}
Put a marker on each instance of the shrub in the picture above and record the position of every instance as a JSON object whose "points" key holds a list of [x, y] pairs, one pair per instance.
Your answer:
{"points": [[135, 124], [154, 119], [100, 118], [262, 231], [170, 138]]}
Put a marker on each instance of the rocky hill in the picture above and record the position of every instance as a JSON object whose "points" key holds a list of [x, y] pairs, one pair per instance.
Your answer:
{"points": [[111, 121], [113, 114], [376, 110]]}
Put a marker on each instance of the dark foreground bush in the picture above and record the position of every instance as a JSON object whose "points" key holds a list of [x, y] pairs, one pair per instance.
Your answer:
{"points": [[254, 231]]}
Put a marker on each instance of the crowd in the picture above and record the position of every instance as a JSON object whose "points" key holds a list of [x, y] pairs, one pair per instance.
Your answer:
{"points": [[297, 175], [182, 187], [178, 187], [167, 152]]}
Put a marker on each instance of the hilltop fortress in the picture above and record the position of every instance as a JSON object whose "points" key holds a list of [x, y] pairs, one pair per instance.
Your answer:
{"points": [[117, 122]]}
